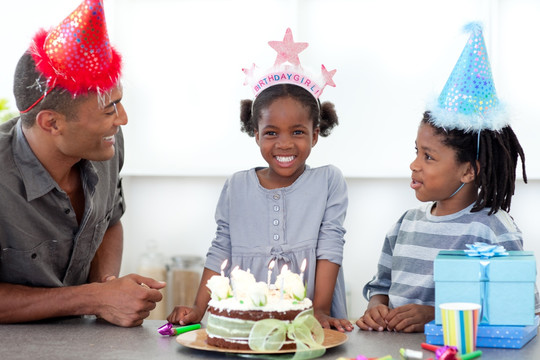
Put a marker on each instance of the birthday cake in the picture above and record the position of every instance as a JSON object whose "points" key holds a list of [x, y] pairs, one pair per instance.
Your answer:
{"points": [[236, 306]]}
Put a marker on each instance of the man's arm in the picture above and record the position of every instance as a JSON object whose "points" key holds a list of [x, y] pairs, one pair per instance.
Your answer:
{"points": [[122, 301], [108, 258]]}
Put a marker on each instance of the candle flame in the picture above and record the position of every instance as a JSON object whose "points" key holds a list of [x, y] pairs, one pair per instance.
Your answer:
{"points": [[272, 263], [303, 267], [284, 268], [224, 264]]}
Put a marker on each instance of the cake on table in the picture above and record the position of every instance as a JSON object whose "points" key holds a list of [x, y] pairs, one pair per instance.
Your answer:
{"points": [[240, 302]]}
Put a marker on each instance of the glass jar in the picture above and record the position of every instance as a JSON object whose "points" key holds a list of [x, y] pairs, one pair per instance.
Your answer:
{"points": [[184, 276], [152, 265]]}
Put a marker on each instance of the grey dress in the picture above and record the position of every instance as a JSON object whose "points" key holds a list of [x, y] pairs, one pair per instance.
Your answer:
{"points": [[302, 221]]}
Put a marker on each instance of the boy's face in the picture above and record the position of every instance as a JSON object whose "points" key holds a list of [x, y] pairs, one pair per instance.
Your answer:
{"points": [[436, 174], [91, 135], [285, 136]]}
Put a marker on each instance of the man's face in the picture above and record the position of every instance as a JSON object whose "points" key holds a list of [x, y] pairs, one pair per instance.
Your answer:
{"points": [[91, 135]]}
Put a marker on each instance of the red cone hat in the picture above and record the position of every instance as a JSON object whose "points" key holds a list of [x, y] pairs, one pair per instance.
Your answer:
{"points": [[77, 54]]}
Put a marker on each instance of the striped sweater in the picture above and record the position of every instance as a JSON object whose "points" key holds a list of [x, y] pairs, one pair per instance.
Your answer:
{"points": [[405, 269]]}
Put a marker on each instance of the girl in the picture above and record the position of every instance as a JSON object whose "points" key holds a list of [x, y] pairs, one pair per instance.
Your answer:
{"points": [[465, 167], [286, 211]]}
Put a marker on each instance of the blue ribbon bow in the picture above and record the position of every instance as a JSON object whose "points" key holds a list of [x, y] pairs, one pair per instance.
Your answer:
{"points": [[484, 250]]}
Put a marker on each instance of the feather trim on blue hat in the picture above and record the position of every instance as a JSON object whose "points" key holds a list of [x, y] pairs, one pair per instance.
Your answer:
{"points": [[495, 120]]}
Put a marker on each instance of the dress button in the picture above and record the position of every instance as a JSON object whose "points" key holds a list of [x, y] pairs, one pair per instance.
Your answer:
{"points": [[276, 222], [276, 208], [67, 211], [276, 196], [276, 237]]}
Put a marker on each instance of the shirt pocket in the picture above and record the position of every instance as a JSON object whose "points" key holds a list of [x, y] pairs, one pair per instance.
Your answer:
{"points": [[43, 264], [100, 228]]}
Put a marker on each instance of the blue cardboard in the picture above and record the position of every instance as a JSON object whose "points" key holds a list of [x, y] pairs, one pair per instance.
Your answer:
{"points": [[503, 285], [492, 336]]}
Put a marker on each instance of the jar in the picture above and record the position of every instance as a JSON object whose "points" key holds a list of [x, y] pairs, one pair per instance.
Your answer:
{"points": [[152, 265], [184, 277]]}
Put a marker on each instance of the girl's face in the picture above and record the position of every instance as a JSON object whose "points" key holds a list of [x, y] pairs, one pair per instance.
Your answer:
{"points": [[285, 136], [436, 174]]}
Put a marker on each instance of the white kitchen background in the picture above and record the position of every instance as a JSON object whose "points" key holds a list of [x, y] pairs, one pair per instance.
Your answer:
{"points": [[183, 85]]}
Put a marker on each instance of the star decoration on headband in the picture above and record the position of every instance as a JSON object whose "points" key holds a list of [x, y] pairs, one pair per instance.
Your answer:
{"points": [[249, 73], [288, 70], [328, 75], [287, 49]]}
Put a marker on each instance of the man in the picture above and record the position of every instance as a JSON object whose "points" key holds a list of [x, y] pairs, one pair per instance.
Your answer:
{"points": [[61, 199]]}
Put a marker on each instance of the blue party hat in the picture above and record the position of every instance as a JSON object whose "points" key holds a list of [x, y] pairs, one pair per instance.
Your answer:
{"points": [[469, 101]]}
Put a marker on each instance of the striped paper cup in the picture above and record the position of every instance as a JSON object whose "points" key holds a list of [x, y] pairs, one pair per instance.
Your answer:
{"points": [[460, 325]]}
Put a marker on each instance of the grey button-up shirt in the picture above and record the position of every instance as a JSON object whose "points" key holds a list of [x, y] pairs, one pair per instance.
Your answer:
{"points": [[41, 242]]}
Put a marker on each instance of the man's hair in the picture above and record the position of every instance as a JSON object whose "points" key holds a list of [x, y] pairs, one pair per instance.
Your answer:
{"points": [[497, 155], [29, 85]]}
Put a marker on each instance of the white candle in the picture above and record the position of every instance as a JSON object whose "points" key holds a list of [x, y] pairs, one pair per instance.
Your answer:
{"points": [[232, 280], [302, 269], [223, 266], [270, 268], [281, 290]]}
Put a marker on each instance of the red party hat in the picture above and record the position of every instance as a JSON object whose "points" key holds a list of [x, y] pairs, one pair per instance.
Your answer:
{"points": [[77, 55]]}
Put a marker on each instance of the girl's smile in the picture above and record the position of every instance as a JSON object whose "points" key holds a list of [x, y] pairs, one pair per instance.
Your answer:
{"points": [[285, 160]]}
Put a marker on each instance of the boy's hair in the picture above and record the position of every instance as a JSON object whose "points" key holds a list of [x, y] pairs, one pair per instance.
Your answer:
{"points": [[323, 115], [497, 157], [29, 85]]}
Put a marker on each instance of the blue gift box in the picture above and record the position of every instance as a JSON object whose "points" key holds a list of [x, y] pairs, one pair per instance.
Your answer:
{"points": [[493, 336], [503, 285]]}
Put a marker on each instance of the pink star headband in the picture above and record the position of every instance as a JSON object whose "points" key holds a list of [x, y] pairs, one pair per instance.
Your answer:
{"points": [[77, 55], [288, 70]]}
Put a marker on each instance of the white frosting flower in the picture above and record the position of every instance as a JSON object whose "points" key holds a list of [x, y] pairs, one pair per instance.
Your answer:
{"points": [[292, 285], [258, 293], [219, 287], [242, 283]]}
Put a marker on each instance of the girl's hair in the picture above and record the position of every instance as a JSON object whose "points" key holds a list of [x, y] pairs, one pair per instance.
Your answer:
{"points": [[497, 157], [323, 115]]}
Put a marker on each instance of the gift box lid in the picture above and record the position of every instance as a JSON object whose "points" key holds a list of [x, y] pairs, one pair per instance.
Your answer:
{"points": [[456, 265]]}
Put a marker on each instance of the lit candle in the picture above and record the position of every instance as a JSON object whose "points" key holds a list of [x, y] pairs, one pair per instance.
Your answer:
{"points": [[232, 280], [281, 290], [270, 268], [223, 266], [302, 269]]}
